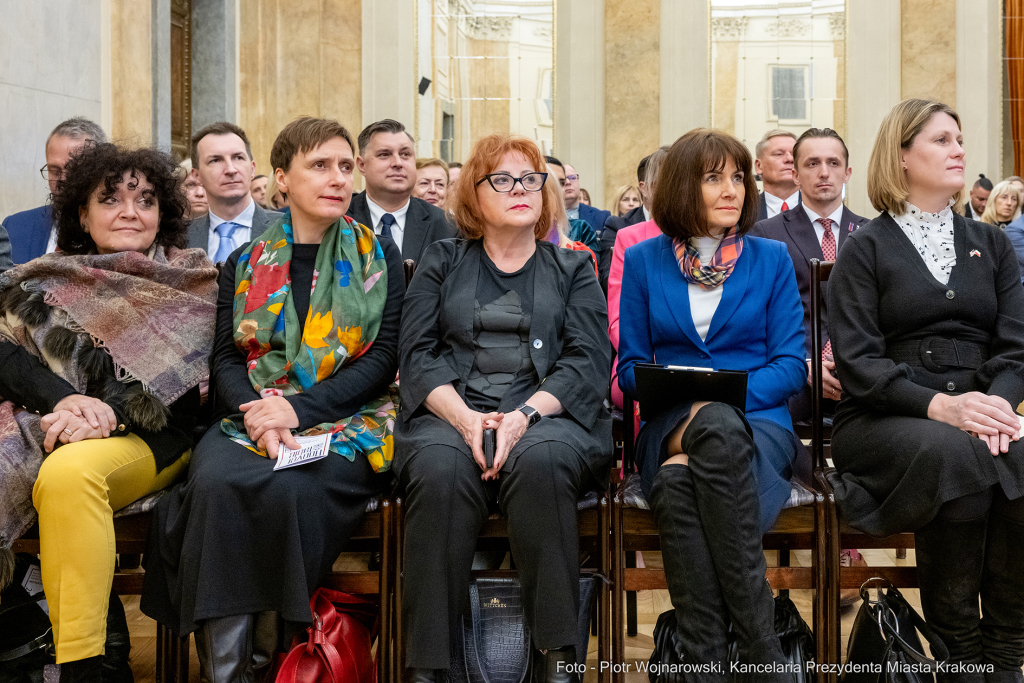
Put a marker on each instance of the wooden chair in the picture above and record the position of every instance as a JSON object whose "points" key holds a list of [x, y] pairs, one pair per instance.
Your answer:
{"points": [[803, 525], [841, 534]]}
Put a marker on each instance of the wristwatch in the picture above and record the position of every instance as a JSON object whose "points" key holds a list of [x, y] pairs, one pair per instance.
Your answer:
{"points": [[532, 416]]}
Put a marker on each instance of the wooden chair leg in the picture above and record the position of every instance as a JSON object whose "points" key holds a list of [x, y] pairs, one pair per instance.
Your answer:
{"points": [[618, 591], [604, 645], [398, 526], [172, 655], [901, 553], [631, 619], [384, 640], [820, 618]]}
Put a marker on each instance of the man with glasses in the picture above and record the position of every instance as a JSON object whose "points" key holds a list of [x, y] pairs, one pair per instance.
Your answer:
{"points": [[594, 217], [33, 232]]}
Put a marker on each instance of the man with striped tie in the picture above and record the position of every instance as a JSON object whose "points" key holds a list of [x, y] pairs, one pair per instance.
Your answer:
{"points": [[222, 161]]}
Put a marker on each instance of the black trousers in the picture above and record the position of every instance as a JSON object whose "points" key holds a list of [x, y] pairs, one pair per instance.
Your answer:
{"points": [[447, 503]]}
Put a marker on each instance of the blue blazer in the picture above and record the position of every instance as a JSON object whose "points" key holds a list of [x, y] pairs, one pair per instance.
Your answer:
{"points": [[29, 232], [758, 326], [1015, 231], [596, 217]]}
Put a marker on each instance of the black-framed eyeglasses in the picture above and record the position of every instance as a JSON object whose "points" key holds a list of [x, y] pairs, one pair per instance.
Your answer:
{"points": [[503, 182], [47, 171]]}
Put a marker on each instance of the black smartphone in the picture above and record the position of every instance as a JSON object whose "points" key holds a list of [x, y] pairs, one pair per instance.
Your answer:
{"points": [[489, 447]]}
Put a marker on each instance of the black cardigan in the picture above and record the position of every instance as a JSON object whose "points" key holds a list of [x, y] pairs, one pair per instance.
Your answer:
{"points": [[338, 396], [878, 298]]}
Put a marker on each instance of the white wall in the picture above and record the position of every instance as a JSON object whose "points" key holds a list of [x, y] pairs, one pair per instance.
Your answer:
{"points": [[49, 71]]}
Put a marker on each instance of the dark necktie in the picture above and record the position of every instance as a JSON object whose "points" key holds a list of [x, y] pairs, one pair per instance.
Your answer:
{"points": [[386, 221], [828, 250]]}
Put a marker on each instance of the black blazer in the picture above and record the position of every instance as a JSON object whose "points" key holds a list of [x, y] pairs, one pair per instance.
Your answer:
{"points": [[794, 229], [607, 236], [762, 211], [424, 224]]}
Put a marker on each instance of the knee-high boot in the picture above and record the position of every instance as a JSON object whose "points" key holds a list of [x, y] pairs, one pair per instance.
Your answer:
{"points": [[701, 627], [224, 646], [720, 450], [1002, 598], [950, 557]]}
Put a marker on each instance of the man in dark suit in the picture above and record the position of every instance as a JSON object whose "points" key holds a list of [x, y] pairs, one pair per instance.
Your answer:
{"points": [[774, 163], [615, 223], [222, 161], [978, 198], [33, 233], [575, 208], [387, 160]]}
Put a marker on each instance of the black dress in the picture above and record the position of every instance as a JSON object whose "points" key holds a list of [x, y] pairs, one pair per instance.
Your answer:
{"points": [[237, 537], [896, 467]]}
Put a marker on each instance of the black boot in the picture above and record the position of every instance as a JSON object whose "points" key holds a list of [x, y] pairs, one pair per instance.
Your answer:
{"points": [[266, 634], [720, 448], [117, 651], [224, 646], [555, 666], [1002, 594], [950, 557], [88, 670], [701, 626]]}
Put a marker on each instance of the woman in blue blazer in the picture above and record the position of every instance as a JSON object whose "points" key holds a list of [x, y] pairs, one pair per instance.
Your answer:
{"points": [[704, 295]]}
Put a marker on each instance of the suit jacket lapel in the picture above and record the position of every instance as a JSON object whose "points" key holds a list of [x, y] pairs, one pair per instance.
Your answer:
{"points": [[360, 210], [763, 209], [672, 281], [732, 296], [199, 233], [417, 223], [801, 232], [850, 223]]}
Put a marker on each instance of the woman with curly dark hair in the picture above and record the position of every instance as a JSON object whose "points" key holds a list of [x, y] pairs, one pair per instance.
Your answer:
{"points": [[102, 348]]}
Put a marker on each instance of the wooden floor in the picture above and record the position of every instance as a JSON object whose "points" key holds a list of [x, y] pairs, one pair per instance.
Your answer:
{"points": [[649, 605]]}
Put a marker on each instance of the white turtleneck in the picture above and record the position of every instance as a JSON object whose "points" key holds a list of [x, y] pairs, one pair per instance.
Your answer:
{"points": [[704, 302]]}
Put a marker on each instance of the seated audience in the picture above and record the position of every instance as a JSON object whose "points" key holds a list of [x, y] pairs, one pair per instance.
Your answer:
{"points": [[978, 198], [123, 318], [1003, 206], [579, 230], [705, 294], [774, 163], [258, 189], [222, 160], [627, 198], [387, 160], [624, 239], [593, 216], [306, 343], [34, 232], [194, 192], [926, 315], [278, 201], [1018, 181], [585, 197], [431, 181], [561, 226], [454, 169], [502, 330], [616, 223]]}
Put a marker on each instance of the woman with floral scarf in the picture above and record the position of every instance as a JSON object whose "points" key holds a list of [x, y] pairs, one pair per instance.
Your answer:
{"points": [[102, 348], [306, 344]]}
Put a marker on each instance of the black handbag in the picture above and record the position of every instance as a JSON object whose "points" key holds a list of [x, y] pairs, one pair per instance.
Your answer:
{"points": [[884, 645], [494, 644], [795, 636]]}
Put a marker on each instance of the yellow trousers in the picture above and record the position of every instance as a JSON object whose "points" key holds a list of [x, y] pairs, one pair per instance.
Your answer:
{"points": [[79, 487]]}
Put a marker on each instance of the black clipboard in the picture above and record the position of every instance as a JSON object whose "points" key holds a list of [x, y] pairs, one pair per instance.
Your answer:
{"points": [[659, 387]]}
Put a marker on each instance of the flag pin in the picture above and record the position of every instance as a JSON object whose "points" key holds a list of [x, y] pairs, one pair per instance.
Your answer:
{"points": [[975, 252]]}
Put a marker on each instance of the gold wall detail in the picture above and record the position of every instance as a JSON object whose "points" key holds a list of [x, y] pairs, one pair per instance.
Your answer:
{"points": [[131, 75]]}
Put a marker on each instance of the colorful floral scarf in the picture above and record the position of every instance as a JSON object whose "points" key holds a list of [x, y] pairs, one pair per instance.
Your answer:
{"points": [[350, 288], [722, 263]]}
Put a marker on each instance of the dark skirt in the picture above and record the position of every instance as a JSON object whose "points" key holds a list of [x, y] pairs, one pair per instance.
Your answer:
{"points": [[775, 450], [895, 472], [237, 537]]}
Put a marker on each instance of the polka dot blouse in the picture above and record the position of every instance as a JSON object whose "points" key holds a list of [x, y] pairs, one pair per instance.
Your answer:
{"points": [[932, 236]]}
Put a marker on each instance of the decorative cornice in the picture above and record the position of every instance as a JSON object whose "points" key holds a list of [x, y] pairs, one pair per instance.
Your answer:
{"points": [[489, 28], [837, 22], [787, 28], [728, 28]]}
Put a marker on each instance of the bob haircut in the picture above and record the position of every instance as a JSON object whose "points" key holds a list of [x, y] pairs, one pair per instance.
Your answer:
{"points": [[440, 163], [487, 153], [102, 166], [678, 203], [1003, 188], [621, 192], [887, 184], [303, 135]]}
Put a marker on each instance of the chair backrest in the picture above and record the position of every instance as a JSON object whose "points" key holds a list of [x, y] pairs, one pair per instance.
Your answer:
{"points": [[410, 270], [820, 270]]}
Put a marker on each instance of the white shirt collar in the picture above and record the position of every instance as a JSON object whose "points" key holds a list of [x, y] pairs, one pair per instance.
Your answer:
{"points": [[819, 229], [376, 213], [647, 214], [243, 219], [775, 203]]}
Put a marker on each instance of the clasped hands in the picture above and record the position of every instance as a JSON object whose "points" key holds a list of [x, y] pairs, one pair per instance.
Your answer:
{"points": [[509, 428], [269, 422], [76, 418], [990, 418]]}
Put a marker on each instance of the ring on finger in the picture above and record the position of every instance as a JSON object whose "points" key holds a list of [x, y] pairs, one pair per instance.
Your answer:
{"points": [[68, 432]]}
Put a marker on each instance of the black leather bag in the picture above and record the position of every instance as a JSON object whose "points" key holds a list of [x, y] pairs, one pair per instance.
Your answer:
{"points": [[494, 646], [795, 636], [884, 645]]}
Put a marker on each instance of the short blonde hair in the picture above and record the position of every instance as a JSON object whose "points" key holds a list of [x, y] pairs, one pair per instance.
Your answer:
{"points": [[487, 153], [887, 184], [774, 133], [424, 163], [1005, 187], [621, 192]]}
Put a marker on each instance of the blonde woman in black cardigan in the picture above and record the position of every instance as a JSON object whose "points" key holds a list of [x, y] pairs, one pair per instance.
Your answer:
{"points": [[926, 315]]}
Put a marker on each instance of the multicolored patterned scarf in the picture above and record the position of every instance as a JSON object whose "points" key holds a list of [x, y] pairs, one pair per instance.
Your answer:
{"points": [[350, 288], [722, 263]]}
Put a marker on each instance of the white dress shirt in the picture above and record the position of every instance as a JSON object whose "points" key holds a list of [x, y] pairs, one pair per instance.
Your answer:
{"points": [[819, 230], [775, 204], [932, 236], [51, 244], [704, 302], [398, 229], [239, 237], [574, 213], [647, 214]]}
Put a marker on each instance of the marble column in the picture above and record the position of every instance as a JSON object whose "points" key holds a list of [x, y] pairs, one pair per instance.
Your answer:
{"points": [[979, 81], [389, 61], [929, 49], [580, 91], [131, 73], [685, 67], [215, 67], [160, 63], [872, 87]]}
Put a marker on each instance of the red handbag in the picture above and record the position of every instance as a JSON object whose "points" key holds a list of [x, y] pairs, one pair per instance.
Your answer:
{"points": [[337, 649]]}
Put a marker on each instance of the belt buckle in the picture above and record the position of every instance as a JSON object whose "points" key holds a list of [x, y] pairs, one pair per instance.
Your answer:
{"points": [[926, 355]]}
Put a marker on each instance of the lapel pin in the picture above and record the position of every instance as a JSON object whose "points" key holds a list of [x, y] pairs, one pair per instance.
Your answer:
{"points": [[975, 252]]}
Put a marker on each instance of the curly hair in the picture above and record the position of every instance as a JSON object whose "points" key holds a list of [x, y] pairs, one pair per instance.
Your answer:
{"points": [[105, 164]]}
